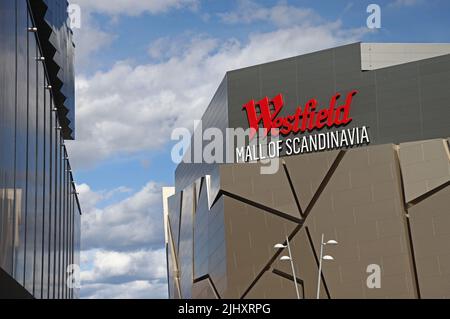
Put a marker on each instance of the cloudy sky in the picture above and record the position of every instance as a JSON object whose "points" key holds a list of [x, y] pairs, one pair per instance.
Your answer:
{"points": [[145, 67]]}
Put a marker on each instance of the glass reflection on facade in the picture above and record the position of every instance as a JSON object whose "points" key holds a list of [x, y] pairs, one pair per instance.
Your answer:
{"points": [[39, 208]]}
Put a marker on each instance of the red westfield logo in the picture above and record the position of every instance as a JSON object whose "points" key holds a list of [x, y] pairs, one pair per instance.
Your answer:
{"points": [[266, 112]]}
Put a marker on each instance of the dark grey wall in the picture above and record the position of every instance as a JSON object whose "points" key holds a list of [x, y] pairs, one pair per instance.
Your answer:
{"points": [[407, 102], [403, 103]]}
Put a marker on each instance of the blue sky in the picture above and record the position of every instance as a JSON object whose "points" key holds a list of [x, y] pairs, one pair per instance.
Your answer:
{"points": [[145, 67]]}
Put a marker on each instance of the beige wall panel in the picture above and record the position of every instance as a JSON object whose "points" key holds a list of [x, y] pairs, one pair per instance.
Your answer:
{"points": [[430, 228], [361, 206], [307, 172], [272, 286], [203, 290], [251, 234], [246, 180], [365, 215], [425, 166]]}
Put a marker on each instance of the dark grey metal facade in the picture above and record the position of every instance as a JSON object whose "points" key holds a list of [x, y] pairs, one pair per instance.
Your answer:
{"points": [[216, 115], [401, 103], [39, 209], [55, 37]]}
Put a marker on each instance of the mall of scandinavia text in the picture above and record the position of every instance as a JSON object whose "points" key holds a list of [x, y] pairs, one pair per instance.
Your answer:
{"points": [[345, 138]]}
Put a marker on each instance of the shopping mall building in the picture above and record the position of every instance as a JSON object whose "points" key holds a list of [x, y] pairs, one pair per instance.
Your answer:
{"points": [[39, 208], [363, 133]]}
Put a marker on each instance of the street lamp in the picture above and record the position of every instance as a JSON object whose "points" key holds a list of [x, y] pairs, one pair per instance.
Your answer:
{"points": [[322, 258], [289, 258]]}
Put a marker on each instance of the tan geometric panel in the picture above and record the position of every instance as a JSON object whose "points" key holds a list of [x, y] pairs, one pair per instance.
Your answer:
{"points": [[305, 265], [307, 172], [273, 190], [368, 222], [203, 290], [361, 206], [251, 234], [272, 286], [430, 229], [425, 165]]}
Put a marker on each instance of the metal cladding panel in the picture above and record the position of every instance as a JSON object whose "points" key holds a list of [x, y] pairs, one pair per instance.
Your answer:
{"points": [[362, 208], [216, 115], [50, 17], [7, 106], [430, 223], [425, 166]]}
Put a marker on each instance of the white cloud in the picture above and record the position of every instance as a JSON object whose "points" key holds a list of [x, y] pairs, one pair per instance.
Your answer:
{"points": [[282, 15], [108, 266], [132, 108], [89, 39], [132, 223], [135, 7], [123, 254], [91, 198]]}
